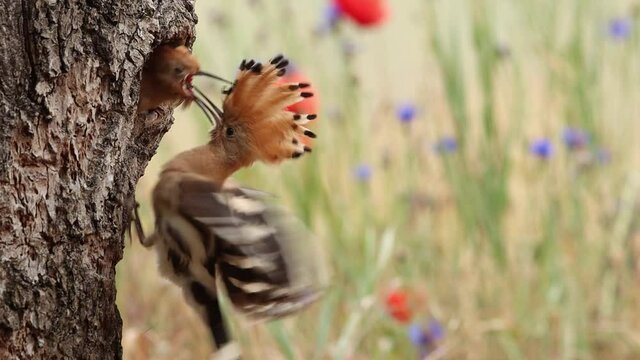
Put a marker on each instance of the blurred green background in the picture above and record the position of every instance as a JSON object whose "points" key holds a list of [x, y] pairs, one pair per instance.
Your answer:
{"points": [[475, 183]]}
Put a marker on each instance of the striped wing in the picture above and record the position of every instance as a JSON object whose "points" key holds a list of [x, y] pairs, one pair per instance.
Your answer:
{"points": [[263, 257]]}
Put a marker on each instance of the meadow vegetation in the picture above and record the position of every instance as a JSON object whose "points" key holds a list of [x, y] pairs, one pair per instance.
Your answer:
{"points": [[477, 164]]}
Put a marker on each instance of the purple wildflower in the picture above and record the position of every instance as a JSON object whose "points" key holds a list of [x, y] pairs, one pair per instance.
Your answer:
{"points": [[620, 28], [406, 113], [575, 138], [542, 148], [436, 332], [291, 68], [426, 339], [446, 145], [603, 156], [417, 335], [350, 48], [330, 17], [332, 14], [363, 172]]}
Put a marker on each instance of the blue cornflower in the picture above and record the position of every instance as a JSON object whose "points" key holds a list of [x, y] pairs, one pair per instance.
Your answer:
{"points": [[292, 68], [542, 148], [446, 145], [332, 14], [620, 28], [417, 335], [426, 339], [363, 172], [436, 332], [575, 138], [603, 156], [406, 112], [330, 17], [350, 48]]}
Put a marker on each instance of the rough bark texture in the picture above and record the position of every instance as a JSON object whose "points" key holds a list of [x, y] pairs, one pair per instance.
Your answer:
{"points": [[71, 152]]}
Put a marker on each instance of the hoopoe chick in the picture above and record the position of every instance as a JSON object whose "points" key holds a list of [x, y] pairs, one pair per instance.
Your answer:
{"points": [[166, 77], [205, 232]]}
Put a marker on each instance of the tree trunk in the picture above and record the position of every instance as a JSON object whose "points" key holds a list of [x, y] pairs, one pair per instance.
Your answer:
{"points": [[71, 152]]}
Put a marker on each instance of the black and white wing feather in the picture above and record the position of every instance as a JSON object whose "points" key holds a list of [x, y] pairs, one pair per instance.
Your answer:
{"points": [[267, 262], [264, 257]]}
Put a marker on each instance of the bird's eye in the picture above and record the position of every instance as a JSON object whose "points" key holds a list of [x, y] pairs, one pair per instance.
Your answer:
{"points": [[230, 132], [179, 71]]}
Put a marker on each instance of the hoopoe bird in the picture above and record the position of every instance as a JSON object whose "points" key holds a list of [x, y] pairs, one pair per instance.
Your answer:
{"points": [[206, 233], [166, 77]]}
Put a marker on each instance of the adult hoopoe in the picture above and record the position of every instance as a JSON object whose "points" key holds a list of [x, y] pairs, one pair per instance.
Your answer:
{"points": [[204, 231]]}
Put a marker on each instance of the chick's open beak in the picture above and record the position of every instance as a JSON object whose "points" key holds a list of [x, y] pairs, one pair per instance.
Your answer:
{"points": [[187, 86]]}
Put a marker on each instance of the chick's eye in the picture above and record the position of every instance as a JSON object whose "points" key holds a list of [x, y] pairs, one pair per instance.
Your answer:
{"points": [[230, 132], [179, 70]]}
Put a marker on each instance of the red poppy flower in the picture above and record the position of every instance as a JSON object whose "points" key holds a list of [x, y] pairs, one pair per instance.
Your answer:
{"points": [[398, 305], [364, 12]]}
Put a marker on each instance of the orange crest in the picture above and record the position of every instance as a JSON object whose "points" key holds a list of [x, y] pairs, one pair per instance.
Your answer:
{"points": [[257, 103]]}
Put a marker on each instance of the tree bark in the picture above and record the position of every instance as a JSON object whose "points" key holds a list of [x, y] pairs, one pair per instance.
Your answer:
{"points": [[71, 152]]}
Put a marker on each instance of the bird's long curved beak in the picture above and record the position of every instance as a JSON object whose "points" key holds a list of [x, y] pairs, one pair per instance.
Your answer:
{"points": [[216, 77]]}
